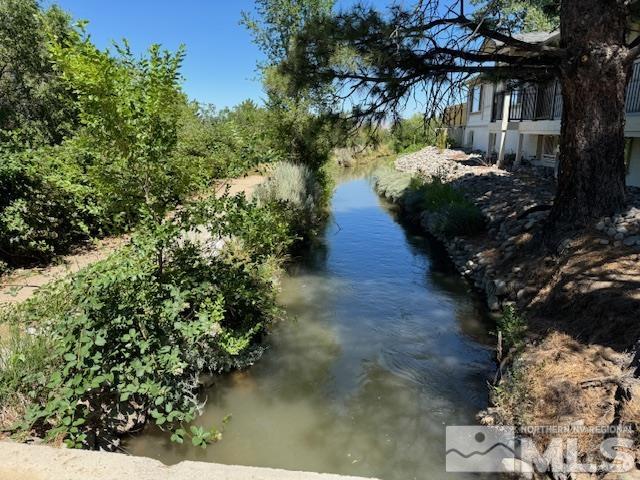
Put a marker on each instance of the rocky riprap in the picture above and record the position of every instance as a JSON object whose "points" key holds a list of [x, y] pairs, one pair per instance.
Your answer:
{"points": [[432, 162], [514, 204], [623, 228]]}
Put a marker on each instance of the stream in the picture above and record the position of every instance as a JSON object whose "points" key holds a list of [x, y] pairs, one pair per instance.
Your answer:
{"points": [[385, 346]]}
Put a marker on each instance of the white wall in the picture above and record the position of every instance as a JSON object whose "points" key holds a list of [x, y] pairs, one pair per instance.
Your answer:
{"points": [[483, 117], [633, 175], [480, 138], [529, 146], [511, 142]]}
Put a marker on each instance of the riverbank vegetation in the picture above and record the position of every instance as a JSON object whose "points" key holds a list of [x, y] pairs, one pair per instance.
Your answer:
{"points": [[129, 337], [367, 144], [98, 142], [94, 141], [443, 207]]}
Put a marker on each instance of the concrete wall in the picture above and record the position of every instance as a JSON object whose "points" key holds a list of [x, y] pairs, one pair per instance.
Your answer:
{"points": [[31, 462], [511, 142], [529, 146], [480, 138], [541, 127]]}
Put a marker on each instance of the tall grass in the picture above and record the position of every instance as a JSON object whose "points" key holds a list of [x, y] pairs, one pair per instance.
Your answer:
{"points": [[299, 189], [292, 183], [451, 214], [391, 183]]}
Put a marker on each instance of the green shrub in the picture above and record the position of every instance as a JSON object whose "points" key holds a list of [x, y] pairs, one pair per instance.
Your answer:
{"points": [[391, 183], [129, 109], [25, 370], [513, 327], [453, 215], [296, 188], [225, 143], [459, 219], [46, 205], [436, 194], [412, 134], [136, 330], [442, 139]]}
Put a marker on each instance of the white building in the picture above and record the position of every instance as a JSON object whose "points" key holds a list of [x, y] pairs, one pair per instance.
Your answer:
{"points": [[524, 123]]}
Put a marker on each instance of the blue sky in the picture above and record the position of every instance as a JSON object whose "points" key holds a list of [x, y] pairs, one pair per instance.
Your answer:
{"points": [[220, 63]]}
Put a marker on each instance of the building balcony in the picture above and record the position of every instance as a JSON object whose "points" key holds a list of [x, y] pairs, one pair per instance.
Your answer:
{"points": [[544, 101]]}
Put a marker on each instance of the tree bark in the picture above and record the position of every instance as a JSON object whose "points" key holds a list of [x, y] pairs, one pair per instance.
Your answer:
{"points": [[593, 76]]}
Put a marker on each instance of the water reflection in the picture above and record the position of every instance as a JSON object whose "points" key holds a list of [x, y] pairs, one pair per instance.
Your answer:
{"points": [[387, 346]]}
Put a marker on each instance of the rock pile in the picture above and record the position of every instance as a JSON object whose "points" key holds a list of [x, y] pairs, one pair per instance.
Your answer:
{"points": [[623, 228], [431, 162]]}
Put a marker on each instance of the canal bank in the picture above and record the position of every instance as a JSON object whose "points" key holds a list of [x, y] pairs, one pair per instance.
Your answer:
{"points": [[577, 360]]}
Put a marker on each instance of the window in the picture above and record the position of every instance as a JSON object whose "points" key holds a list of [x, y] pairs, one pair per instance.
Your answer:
{"points": [[476, 99], [470, 139], [550, 145]]}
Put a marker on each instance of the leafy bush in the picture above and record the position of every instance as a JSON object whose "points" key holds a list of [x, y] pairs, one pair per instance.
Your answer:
{"points": [[451, 214], [513, 327], [36, 108], [412, 134], [129, 110], [24, 372], [136, 330], [46, 204], [459, 219]]}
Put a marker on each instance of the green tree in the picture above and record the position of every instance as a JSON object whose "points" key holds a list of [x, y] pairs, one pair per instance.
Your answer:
{"points": [[301, 136], [129, 111], [521, 15], [433, 49], [279, 21], [36, 107]]}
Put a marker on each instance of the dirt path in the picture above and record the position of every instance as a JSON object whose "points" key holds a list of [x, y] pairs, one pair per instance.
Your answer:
{"points": [[23, 283]]}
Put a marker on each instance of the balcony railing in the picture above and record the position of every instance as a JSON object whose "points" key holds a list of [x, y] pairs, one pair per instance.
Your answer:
{"points": [[536, 102], [633, 90], [544, 101]]}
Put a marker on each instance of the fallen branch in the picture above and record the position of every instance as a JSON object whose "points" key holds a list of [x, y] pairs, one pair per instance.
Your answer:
{"points": [[622, 382]]}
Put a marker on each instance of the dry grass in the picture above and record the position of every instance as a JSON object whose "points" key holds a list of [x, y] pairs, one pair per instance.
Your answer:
{"points": [[630, 413], [555, 373], [11, 414]]}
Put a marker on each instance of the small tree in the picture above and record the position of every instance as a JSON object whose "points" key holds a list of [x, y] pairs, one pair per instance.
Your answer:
{"points": [[36, 108], [129, 110], [300, 136]]}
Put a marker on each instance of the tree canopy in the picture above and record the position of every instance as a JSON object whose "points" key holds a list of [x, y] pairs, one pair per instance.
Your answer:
{"points": [[430, 51]]}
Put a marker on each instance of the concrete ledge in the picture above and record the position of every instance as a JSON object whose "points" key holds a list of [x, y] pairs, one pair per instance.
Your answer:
{"points": [[35, 462]]}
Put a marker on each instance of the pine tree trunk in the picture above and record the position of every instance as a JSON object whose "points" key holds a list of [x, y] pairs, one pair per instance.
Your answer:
{"points": [[594, 77]]}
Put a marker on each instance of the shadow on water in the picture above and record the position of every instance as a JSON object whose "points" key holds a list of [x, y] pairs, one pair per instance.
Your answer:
{"points": [[387, 346]]}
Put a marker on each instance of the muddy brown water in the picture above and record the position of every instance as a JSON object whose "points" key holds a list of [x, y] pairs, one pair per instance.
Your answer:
{"points": [[385, 347]]}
